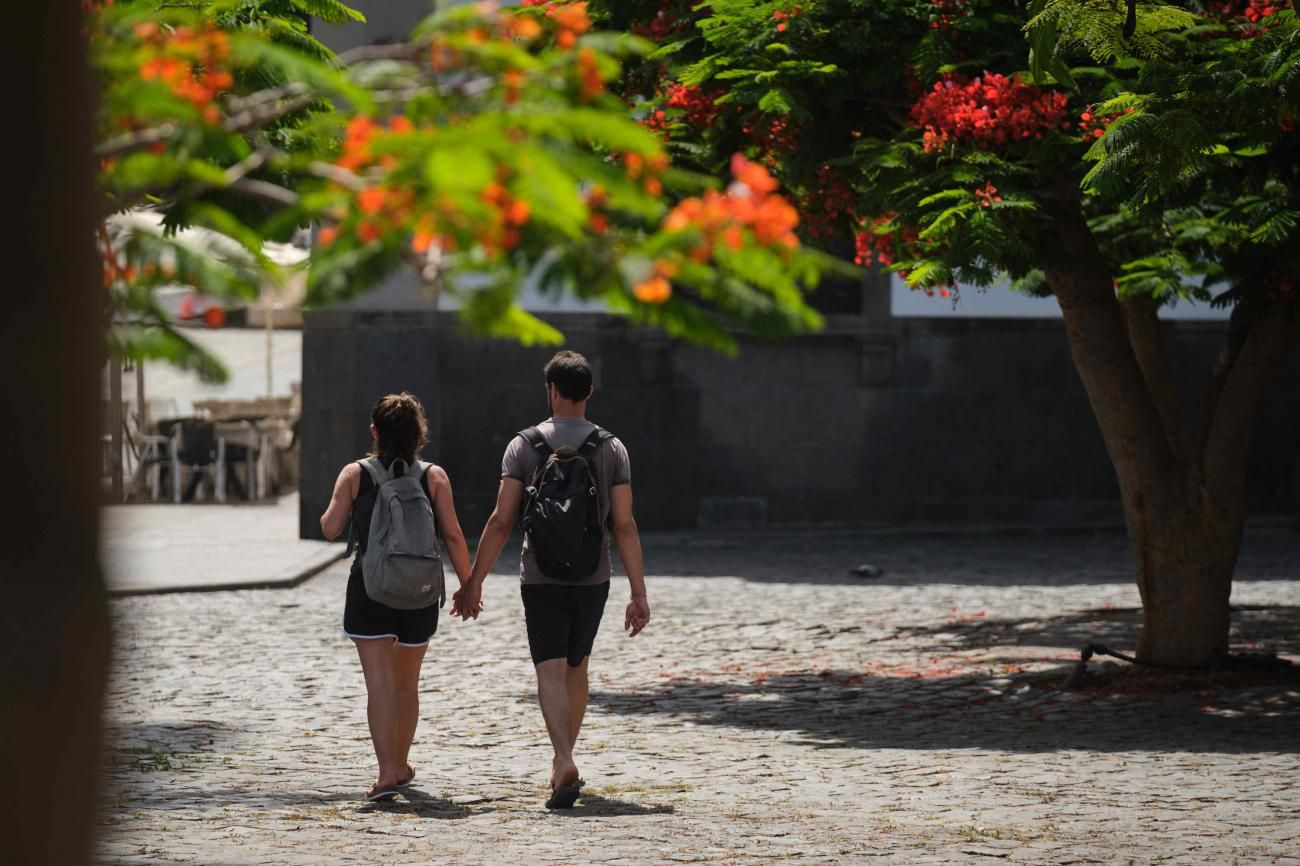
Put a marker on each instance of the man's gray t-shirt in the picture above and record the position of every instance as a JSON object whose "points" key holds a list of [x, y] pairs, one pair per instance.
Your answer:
{"points": [[612, 467]]}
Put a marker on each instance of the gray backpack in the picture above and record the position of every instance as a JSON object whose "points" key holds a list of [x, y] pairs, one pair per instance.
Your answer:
{"points": [[402, 566]]}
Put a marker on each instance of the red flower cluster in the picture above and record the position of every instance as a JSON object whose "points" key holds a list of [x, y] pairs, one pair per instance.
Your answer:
{"points": [[646, 170], [697, 104], [570, 19], [775, 138], [1257, 10], [782, 18], [596, 199], [1093, 126], [987, 110], [189, 61], [872, 244], [826, 208], [657, 288], [590, 82], [358, 137], [1253, 11], [987, 195], [671, 19], [945, 13], [750, 206], [1247, 18]]}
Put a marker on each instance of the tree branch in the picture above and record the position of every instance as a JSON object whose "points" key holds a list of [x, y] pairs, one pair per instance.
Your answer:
{"points": [[136, 140], [338, 175], [1245, 386], [262, 114], [393, 51], [1147, 337], [264, 190]]}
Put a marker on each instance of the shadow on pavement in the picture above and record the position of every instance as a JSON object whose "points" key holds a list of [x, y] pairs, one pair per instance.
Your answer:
{"points": [[989, 558], [1017, 713], [415, 802], [1256, 628], [596, 806]]}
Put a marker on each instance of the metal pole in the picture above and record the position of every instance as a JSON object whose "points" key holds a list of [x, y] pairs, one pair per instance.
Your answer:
{"points": [[141, 411], [115, 426], [269, 308]]}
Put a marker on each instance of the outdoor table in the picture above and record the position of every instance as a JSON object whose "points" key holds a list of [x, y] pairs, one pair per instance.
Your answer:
{"points": [[260, 438], [255, 444]]}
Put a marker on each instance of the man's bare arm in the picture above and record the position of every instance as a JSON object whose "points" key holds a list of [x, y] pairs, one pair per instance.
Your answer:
{"points": [[496, 532], [628, 542]]}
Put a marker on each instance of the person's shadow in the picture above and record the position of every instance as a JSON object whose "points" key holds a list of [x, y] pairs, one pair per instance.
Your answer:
{"points": [[596, 806], [413, 801]]}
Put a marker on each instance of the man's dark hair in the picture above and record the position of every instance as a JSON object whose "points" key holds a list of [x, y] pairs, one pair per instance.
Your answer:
{"points": [[570, 373], [401, 427]]}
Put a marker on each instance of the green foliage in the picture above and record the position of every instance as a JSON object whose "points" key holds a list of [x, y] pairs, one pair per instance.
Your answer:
{"points": [[1178, 146], [1096, 28], [483, 153]]}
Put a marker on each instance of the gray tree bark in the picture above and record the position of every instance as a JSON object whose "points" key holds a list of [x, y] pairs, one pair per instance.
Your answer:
{"points": [[1184, 502]]}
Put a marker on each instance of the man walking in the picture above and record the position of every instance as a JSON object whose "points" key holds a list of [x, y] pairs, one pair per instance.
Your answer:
{"points": [[563, 600]]}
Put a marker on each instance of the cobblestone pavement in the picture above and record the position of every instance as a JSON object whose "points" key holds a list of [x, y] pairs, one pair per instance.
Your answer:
{"points": [[776, 710]]}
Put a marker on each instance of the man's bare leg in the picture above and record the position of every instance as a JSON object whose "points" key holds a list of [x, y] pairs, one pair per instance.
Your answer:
{"points": [[553, 695], [575, 682]]}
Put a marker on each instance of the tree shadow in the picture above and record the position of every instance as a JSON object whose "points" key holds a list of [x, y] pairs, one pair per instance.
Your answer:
{"points": [[1012, 556], [182, 737], [1018, 712], [1274, 628]]}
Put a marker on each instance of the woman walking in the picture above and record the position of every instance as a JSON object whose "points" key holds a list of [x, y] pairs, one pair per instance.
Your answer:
{"points": [[392, 642]]}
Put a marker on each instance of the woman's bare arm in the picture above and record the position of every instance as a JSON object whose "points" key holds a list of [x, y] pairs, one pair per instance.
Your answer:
{"points": [[453, 537], [335, 519]]}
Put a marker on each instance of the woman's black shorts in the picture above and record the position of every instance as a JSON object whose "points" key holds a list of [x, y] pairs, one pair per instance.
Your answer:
{"points": [[563, 620], [363, 617]]}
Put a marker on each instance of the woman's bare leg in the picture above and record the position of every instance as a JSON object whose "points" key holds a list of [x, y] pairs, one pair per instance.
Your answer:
{"points": [[406, 693], [377, 662]]}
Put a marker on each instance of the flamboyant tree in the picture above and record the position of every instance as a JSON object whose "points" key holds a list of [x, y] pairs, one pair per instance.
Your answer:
{"points": [[1119, 157], [484, 151]]}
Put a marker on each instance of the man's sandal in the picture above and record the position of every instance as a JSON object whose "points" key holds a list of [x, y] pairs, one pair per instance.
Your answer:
{"points": [[565, 796]]}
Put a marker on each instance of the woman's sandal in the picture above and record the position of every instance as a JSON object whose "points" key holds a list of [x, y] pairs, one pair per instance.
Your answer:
{"points": [[377, 794]]}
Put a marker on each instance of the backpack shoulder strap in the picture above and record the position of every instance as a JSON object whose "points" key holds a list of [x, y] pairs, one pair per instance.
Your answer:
{"points": [[533, 436], [378, 474], [594, 440]]}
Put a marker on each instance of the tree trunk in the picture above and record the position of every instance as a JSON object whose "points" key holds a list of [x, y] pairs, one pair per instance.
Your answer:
{"points": [[1184, 505], [1185, 559], [53, 622]]}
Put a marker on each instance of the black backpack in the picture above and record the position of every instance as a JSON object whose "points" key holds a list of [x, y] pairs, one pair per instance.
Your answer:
{"points": [[561, 516]]}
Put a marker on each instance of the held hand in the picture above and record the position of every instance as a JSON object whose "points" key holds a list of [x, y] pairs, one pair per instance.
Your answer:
{"points": [[468, 600], [637, 616], [459, 603]]}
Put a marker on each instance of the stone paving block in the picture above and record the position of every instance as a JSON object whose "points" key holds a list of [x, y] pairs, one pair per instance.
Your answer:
{"points": [[776, 718]]}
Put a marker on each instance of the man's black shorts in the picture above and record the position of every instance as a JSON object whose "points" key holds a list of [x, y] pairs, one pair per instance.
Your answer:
{"points": [[563, 620]]}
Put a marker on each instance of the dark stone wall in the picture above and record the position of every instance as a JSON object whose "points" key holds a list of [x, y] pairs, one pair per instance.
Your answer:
{"points": [[912, 420]]}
